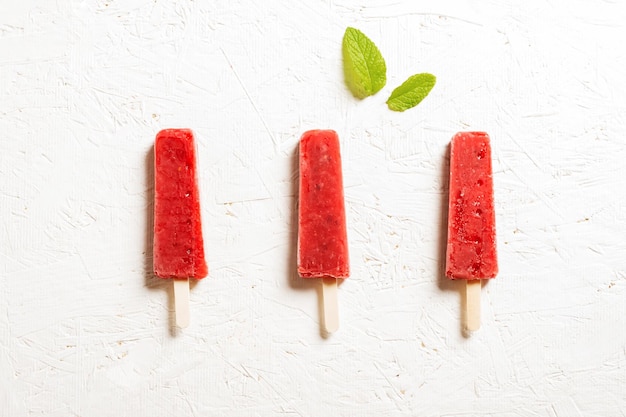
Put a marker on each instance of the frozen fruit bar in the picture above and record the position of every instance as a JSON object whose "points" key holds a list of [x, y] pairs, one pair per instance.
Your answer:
{"points": [[178, 243], [322, 236], [471, 249]]}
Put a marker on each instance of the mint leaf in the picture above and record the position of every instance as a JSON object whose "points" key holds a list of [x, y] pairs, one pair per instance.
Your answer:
{"points": [[363, 65], [411, 92]]}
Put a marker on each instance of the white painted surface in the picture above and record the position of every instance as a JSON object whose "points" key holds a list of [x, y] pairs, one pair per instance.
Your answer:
{"points": [[86, 331]]}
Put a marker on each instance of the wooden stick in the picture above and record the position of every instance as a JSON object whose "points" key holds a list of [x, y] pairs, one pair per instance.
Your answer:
{"points": [[181, 302], [472, 300], [331, 307]]}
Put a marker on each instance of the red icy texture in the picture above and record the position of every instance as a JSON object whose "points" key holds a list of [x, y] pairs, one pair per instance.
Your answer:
{"points": [[178, 243], [471, 251], [322, 235]]}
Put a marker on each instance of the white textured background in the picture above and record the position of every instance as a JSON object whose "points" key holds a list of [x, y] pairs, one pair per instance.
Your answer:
{"points": [[86, 331]]}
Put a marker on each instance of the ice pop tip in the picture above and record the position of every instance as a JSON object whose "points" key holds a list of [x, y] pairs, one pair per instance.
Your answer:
{"points": [[179, 132]]}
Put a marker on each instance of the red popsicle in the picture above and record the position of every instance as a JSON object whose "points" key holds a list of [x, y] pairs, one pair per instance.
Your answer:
{"points": [[322, 235], [471, 248], [178, 244]]}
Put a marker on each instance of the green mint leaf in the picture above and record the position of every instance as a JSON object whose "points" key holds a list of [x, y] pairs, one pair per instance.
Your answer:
{"points": [[411, 92], [363, 65]]}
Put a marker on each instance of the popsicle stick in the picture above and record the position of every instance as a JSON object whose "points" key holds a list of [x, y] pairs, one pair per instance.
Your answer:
{"points": [[331, 306], [181, 302], [472, 300]]}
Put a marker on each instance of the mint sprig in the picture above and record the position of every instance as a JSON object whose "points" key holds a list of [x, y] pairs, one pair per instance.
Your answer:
{"points": [[365, 72], [411, 92], [364, 66]]}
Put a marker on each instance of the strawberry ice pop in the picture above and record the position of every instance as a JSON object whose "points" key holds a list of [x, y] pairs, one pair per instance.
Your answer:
{"points": [[178, 244], [322, 235], [471, 247]]}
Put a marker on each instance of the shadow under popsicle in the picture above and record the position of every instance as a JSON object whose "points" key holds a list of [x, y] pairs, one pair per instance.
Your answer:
{"points": [[446, 284]]}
